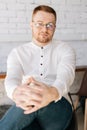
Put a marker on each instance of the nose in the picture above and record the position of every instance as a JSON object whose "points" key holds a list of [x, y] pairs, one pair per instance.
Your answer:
{"points": [[44, 28]]}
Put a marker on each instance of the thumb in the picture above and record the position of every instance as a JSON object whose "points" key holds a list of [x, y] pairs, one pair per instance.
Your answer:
{"points": [[30, 80]]}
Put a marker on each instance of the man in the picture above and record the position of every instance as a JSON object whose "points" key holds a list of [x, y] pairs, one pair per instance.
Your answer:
{"points": [[39, 74]]}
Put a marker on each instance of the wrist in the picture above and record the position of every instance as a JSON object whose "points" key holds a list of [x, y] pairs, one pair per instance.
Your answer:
{"points": [[54, 93]]}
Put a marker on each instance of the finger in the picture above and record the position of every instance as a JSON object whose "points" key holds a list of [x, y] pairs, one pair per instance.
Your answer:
{"points": [[34, 103], [29, 80], [30, 87], [29, 103], [35, 82], [34, 95], [23, 89], [21, 98], [31, 110], [24, 107], [35, 89], [30, 93]]}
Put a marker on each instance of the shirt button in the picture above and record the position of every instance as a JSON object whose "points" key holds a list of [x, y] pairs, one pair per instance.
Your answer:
{"points": [[41, 64], [42, 56], [41, 74], [41, 47]]}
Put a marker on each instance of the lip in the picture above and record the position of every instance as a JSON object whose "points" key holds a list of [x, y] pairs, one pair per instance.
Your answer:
{"points": [[44, 35]]}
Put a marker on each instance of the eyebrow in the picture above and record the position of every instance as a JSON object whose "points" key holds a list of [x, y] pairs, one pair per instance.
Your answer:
{"points": [[37, 21], [43, 21]]}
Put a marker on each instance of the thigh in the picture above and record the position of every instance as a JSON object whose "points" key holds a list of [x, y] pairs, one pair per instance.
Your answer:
{"points": [[33, 126], [55, 116], [15, 119]]}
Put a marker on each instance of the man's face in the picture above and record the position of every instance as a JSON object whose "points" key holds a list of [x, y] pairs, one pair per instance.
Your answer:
{"points": [[43, 26]]}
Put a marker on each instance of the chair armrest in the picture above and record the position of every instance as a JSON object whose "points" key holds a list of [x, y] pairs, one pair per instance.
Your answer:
{"points": [[76, 102]]}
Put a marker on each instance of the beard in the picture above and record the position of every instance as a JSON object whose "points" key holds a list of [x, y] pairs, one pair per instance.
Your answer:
{"points": [[43, 40], [43, 37]]}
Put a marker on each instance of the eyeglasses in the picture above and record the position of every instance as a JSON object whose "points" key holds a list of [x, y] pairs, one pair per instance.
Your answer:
{"points": [[49, 26]]}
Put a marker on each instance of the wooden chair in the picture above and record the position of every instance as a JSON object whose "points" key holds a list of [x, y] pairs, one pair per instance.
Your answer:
{"points": [[74, 123], [82, 92]]}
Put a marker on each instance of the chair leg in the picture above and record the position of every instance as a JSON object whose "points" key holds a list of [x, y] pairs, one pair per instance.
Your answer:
{"points": [[85, 116], [76, 103]]}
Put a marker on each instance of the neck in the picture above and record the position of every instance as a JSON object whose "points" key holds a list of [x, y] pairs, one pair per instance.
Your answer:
{"points": [[39, 43]]}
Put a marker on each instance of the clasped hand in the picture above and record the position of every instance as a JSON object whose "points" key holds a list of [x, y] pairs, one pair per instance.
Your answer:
{"points": [[33, 97]]}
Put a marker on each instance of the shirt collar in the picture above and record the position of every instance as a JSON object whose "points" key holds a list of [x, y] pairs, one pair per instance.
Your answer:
{"points": [[43, 47]]}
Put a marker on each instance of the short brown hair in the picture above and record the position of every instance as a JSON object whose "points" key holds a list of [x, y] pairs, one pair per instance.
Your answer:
{"points": [[44, 8]]}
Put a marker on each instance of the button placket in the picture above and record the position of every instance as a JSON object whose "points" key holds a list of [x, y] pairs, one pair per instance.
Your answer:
{"points": [[41, 69]]}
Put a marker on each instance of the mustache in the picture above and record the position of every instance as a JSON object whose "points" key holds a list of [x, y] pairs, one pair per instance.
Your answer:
{"points": [[44, 33]]}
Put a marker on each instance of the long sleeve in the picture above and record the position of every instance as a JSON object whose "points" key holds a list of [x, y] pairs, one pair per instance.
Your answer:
{"points": [[14, 73], [65, 70]]}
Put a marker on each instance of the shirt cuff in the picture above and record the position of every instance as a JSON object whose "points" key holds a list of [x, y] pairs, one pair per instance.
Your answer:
{"points": [[10, 91], [61, 89], [58, 99]]}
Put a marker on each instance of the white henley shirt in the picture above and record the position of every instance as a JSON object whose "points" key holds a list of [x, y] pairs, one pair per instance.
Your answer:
{"points": [[53, 64]]}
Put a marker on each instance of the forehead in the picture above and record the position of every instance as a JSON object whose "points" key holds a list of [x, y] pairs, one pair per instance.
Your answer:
{"points": [[44, 16]]}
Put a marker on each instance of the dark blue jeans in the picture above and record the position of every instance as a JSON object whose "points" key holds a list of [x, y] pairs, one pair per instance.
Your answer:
{"points": [[55, 116]]}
